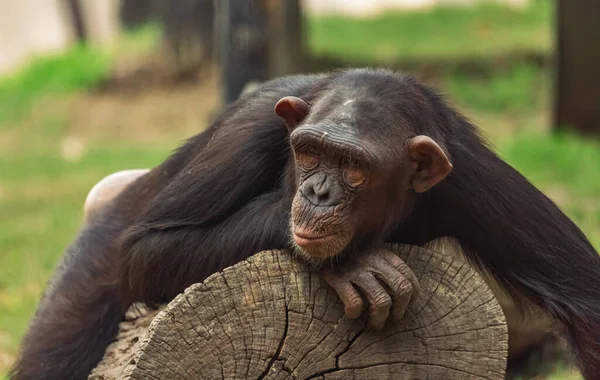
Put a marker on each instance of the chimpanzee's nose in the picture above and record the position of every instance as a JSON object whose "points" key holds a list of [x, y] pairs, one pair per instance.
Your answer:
{"points": [[320, 190]]}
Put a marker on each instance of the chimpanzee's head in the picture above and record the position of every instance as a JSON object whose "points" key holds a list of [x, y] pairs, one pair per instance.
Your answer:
{"points": [[360, 161]]}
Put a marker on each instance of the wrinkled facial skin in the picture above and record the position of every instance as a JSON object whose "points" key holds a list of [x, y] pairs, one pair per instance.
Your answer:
{"points": [[331, 178]]}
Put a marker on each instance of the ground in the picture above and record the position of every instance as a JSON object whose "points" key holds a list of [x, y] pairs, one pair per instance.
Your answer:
{"points": [[62, 130]]}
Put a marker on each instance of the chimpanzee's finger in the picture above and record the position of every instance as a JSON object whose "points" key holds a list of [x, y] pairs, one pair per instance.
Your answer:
{"points": [[378, 297], [401, 289], [399, 304], [394, 279], [350, 297], [404, 269]]}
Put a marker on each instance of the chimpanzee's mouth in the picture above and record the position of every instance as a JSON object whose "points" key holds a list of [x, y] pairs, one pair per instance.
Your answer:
{"points": [[306, 238]]}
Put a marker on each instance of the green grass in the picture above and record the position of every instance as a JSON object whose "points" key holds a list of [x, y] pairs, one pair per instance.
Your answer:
{"points": [[566, 167], [514, 91], [41, 202], [79, 68], [444, 32], [560, 159]]}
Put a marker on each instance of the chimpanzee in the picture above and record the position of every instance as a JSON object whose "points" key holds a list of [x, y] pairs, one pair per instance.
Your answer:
{"points": [[330, 166]]}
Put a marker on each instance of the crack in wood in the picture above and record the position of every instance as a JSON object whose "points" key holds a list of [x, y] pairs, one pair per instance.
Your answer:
{"points": [[337, 357], [279, 347]]}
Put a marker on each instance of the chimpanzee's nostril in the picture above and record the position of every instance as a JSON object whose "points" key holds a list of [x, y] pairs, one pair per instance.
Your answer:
{"points": [[321, 191]]}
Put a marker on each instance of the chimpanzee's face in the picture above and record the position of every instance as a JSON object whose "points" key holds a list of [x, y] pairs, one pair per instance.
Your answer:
{"points": [[359, 165]]}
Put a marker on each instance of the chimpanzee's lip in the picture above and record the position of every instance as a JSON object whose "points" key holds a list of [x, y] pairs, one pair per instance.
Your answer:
{"points": [[304, 238]]}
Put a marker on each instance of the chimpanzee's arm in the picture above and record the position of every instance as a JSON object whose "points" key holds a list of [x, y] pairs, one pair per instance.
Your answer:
{"points": [[160, 262], [518, 235], [220, 207], [235, 166]]}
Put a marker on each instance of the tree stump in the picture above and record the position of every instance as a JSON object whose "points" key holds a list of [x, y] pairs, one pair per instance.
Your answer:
{"points": [[272, 317]]}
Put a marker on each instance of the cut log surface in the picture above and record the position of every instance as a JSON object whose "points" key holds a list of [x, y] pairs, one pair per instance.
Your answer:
{"points": [[272, 317]]}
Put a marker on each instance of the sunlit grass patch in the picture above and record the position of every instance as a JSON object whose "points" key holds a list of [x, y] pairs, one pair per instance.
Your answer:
{"points": [[79, 68], [444, 31]]}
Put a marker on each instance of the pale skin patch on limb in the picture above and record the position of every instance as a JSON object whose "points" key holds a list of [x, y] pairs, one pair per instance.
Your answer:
{"points": [[108, 188]]}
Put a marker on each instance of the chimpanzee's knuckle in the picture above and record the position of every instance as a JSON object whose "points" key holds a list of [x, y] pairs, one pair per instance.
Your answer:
{"points": [[361, 276], [383, 300], [354, 301], [403, 268], [406, 286], [402, 286]]}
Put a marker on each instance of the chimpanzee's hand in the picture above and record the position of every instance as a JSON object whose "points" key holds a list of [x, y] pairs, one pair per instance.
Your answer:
{"points": [[366, 272]]}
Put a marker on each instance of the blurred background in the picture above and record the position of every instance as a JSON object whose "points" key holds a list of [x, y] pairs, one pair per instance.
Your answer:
{"points": [[90, 87]]}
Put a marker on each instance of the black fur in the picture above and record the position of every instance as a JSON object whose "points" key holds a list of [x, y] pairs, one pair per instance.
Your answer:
{"points": [[226, 194]]}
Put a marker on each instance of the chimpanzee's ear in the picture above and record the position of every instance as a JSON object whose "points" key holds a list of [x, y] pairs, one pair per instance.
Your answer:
{"points": [[292, 109], [430, 163]]}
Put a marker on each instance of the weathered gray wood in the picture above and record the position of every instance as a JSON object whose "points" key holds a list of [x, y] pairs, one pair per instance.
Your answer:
{"points": [[271, 317]]}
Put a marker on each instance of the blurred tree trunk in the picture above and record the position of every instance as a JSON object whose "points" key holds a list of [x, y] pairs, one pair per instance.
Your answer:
{"points": [[101, 19], [577, 92], [78, 24], [243, 44], [189, 31], [258, 40], [134, 13], [287, 50], [188, 27]]}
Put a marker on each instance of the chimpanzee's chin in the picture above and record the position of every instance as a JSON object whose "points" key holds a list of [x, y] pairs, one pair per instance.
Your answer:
{"points": [[315, 262], [315, 255], [322, 249]]}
